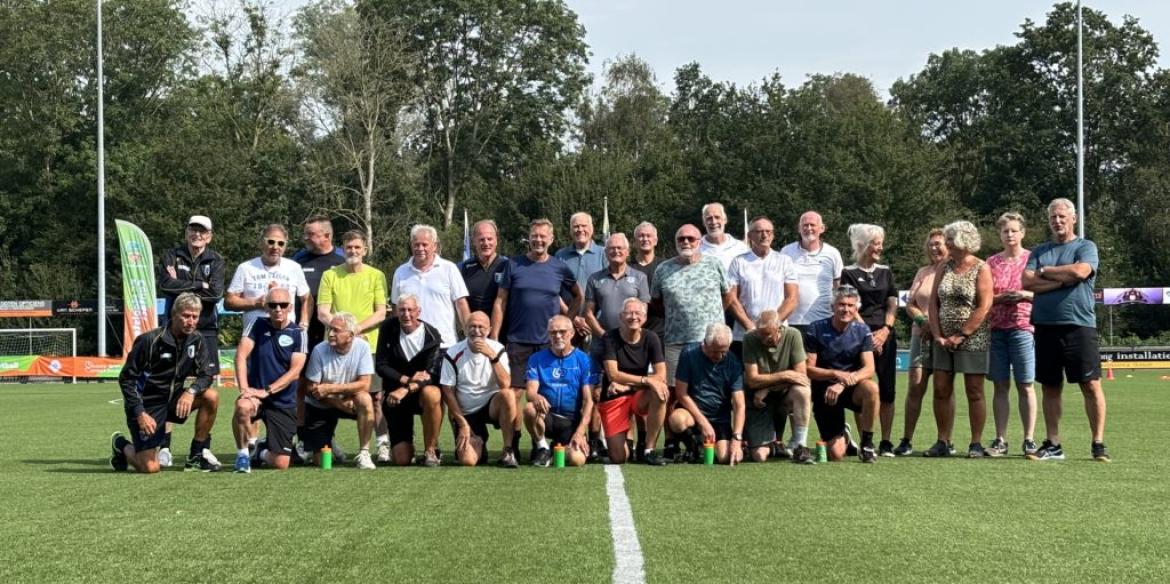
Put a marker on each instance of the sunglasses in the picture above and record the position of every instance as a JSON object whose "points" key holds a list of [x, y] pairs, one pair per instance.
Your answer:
{"points": [[845, 289], [275, 305], [686, 238], [276, 242]]}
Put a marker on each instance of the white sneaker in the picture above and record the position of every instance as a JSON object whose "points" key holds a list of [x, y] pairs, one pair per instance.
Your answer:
{"points": [[165, 459], [363, 461], [383, 452], [210, 458]]}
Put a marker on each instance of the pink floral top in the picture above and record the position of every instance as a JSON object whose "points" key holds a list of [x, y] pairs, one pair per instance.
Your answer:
{"points": [[1005, 276]]}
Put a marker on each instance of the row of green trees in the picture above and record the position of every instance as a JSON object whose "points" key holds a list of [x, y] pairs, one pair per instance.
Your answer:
{"points": [[386, 113]]}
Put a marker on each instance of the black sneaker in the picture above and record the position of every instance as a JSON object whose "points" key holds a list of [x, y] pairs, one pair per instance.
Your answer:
{"points": [[1030, 448], [118, 460], [850, 445], [594, 451], [204, 461], [779, 451], [671, 452], [1048, 452], [998, 448], [508, 459], [867, 454], [1100, 453], [886, 448], [975, 450], [802, 455], [542, 457], [651, 458], [904, 448], [940, 449]]}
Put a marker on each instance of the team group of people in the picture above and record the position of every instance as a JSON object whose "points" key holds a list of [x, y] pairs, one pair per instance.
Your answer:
{"points": [[603, 350]]}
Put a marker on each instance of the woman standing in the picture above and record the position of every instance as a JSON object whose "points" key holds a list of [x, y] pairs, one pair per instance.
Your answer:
{"points": [[921, 341], [1012, 346], [958, 320], [879, 309]]}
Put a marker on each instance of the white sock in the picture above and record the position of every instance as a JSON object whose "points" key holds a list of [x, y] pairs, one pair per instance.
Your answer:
{"points": [[799, 435], [383, 439], [542, 443], [242, 451], [252, 441]]}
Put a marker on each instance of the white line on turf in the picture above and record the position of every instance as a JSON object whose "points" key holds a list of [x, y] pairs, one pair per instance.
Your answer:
{"points": [[627, 552], [115, 402]]}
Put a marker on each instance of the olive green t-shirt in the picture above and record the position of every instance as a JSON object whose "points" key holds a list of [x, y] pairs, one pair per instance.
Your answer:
{"points": [[782, 357]]}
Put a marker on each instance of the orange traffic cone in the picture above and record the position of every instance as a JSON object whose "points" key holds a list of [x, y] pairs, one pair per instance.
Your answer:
{"points": [[1109, 372]]}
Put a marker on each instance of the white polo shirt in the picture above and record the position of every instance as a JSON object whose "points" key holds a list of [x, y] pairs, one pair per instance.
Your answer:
{"points": [[815, 273], [730, 249], [252, 278], [761, 283], [437, 290], [472, 375]]}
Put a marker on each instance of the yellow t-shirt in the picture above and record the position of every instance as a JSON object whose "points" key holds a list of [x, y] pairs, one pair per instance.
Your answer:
{"points": [[355, 293]]}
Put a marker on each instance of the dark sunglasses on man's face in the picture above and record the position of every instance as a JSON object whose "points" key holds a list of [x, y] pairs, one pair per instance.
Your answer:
{"points": [[280, 305], [686, 238], [276, 242]]}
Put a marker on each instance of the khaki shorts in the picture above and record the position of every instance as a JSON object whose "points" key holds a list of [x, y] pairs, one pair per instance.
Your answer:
{"points": [[974, 362]]}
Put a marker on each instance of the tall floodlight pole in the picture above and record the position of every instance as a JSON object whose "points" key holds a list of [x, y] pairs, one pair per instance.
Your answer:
{"points": [[101, 192], [1080, 128]]}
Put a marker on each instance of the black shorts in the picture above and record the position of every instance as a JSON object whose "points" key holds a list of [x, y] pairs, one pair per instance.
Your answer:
{"points": [[886, 368], [479, 422], [518, 354], [831, 418], [211, 342], [320, 424], [281, 425], [1068, 348], [400, 418], [162, 413], [559, 429]]}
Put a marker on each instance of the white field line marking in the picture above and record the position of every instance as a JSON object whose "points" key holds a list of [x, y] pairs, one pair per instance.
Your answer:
{"points": [[627, 552], [115, 402]]}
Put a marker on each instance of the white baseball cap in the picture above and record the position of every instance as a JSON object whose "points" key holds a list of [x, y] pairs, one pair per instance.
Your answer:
{"points": [[200, 220]]}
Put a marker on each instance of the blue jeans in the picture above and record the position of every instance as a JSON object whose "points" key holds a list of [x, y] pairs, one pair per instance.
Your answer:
{"points": [[1012, 351]]}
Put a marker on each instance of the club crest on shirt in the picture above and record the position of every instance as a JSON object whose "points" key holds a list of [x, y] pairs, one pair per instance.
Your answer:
{"points": [[498, 277], [190, 351], [284, 341], [206, 270], [557, 373]]}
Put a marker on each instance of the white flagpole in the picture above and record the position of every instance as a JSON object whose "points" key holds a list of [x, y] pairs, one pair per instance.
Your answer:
{"points": [[605, 220], [1080, 128], [101, 191], [745, 224]]}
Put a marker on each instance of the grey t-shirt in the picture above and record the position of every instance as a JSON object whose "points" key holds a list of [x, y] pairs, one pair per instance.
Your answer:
{"points": [[327, 366], [1072, 304], [608, 294]]}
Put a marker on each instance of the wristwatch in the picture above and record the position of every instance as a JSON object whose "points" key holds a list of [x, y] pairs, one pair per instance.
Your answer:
{"points": [[737, 436], [1041, 272]]}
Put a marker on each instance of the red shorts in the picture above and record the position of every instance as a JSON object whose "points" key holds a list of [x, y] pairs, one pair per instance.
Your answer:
{"points": [[615, 413]]}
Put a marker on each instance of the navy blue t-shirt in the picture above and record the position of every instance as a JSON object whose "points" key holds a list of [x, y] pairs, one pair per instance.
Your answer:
{"points": [[561, 379], [838, 350], [709, 384], [271, 357], [534, 290]]}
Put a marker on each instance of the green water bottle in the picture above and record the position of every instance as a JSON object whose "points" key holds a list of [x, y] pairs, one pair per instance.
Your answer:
{"points": [[708, 453], [822, 452], [326, 457], [559, 456]]}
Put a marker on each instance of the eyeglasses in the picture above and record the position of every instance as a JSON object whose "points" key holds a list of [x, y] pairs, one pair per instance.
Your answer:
{"points": [[683, 238], [559, 332], [280, 305]]}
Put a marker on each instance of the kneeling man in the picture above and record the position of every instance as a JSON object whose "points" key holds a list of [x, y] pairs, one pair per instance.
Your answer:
{"points": [[338, 374], [775, 372], [709, 388], [560, 396], [635, 370], [477, 387]]}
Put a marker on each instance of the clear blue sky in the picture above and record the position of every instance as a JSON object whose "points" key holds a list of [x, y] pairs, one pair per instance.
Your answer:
{"points": [[744, 41]]}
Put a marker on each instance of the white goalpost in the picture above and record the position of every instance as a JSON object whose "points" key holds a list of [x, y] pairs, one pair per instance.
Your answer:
{"points": [[38, 342]]}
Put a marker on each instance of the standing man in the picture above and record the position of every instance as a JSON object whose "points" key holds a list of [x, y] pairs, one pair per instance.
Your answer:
{"points": [[761, 279], [435, 282], [840, 364], [482, 272], [818, 268], [152, 392], [559, 383], [584, 258], [269, 360], [360, 290], [198, 269], [709, 389], [646, 261], [255, 277], [717, 243], [477, 388], [338, 386], [318, 255], [776, 373], [1061, 274], [409, 362]]}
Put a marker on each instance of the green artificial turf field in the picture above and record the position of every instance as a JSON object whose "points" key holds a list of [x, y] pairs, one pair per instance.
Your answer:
{"points": [[68, 518]]}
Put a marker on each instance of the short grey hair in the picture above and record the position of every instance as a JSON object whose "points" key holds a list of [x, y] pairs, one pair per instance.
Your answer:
{"points": [[1062, 202], [489, 222], [271, 228], [722, 209], [768, 318], [861, 235], [351, 321], [619, 235], [407, 296], [845, 291], [717, 332], [422, 229], [271, 291], [574, 216], [645, 225], [964, 235], [186, 300], [635, 301]]}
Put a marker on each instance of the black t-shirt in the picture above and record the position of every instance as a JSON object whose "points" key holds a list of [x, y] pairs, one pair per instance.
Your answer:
{"points": [[874, 288], [654, 322], [314, 267], [482, 284], [632, 358]]}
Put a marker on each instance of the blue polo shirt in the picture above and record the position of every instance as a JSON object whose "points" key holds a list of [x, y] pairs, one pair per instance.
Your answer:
{"points": [[561, 379], [271, 357], [1072, 304], [583, 265], [838, 350], [534, 290]]}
